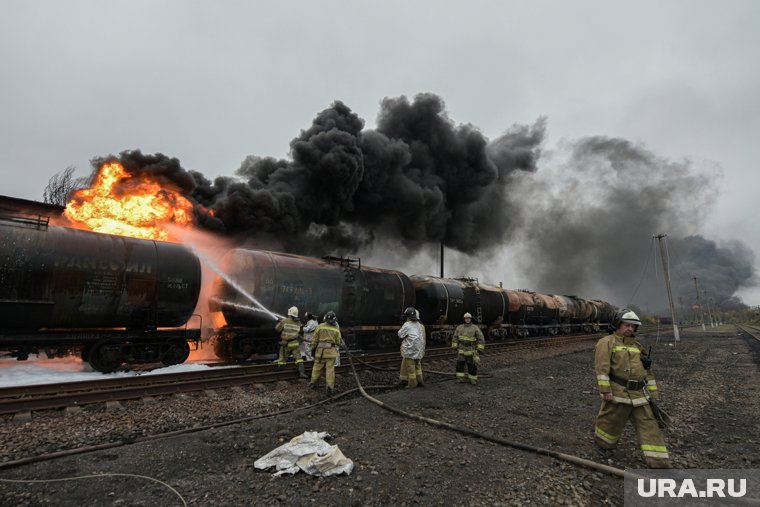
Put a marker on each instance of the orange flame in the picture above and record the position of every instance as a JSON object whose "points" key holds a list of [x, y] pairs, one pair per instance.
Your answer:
{"points": [[125, 205]]}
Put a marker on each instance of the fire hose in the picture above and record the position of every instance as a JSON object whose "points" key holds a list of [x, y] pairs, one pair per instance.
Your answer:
{"points": [[569, 458]]}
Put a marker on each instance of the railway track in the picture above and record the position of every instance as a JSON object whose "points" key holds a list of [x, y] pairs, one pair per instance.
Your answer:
{"points": [[753, 331], [26, 399]]}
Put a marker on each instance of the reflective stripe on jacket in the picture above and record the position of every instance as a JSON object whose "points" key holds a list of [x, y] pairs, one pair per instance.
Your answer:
{"points": [[325, 333], [288, 329], [621, 356], [468, 339]]}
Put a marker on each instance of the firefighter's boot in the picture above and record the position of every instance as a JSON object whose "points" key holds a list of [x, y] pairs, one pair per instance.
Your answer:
{"points": [[301, 372]]}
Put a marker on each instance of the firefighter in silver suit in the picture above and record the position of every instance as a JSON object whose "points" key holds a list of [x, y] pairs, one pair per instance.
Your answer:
{"points": [[412, 335]]}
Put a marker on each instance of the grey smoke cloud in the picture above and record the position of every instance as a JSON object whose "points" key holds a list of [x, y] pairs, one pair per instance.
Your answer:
{"points": [[592, 220]]}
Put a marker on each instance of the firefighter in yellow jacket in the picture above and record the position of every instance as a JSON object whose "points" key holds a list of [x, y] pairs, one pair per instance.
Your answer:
{"points": [[622, 373], [324, 347], [289, 329], [469, 342]]}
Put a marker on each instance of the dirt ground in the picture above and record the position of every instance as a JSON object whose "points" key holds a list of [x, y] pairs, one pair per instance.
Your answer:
{"points": [[709, 383]]}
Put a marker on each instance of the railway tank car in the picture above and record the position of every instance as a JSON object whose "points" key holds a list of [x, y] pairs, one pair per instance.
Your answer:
{"points": [[368, 301], [443, 301], [120, 299]]}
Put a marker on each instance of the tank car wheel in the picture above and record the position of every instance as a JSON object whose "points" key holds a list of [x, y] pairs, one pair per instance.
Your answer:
{"points": [[242, 349], [222, 348], [586, 329], [553, 331], [105, 357], [177, 352], [384, 340]]}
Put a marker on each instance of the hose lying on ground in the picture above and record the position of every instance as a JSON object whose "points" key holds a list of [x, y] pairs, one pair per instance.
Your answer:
{"points": [[575, 460], [111, 445]]}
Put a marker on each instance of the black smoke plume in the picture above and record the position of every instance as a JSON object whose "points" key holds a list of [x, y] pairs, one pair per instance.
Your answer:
{"points": [[417, 178]]}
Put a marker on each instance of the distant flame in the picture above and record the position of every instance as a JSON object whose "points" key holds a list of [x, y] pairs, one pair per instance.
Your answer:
{"points": [[126, 205]]}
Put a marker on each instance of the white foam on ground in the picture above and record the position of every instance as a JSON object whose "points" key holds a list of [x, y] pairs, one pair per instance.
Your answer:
{"points": [[38, 370]]}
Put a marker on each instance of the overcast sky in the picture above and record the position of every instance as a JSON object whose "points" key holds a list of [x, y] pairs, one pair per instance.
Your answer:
{"points": [[213, 82]]}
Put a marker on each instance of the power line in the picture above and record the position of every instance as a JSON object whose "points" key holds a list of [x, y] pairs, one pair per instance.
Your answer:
{"points": [[643, 272]]}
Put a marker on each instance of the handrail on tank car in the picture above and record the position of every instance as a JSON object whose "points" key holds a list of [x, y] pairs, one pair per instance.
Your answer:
{"points": [[200, 328], [344, 261], [37, 221]]}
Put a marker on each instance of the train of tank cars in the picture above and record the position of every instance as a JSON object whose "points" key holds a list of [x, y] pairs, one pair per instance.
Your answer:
{"points": [[121, 300]]}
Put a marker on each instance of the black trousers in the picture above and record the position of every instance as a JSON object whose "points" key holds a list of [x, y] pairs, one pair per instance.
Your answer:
{"points": [[472, 368]]}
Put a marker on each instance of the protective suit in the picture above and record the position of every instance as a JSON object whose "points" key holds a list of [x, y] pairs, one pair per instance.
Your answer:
{"points": [[412, 335], [468, 340], [324, 347], [308, 333], [289, 329], [620, 371]]}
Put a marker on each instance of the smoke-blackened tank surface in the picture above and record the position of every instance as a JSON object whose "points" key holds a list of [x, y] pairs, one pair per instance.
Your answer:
{"points": [[532, 308], [605, 311], [576, 310], [360, 296], [56, 277], [446, 300]]}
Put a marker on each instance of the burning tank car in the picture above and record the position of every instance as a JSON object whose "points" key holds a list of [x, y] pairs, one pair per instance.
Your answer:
{"points": [[369, 303], [123, 300], [116, 299]]}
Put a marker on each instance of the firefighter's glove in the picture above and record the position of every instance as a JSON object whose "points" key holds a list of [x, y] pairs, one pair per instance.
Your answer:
{"points": [[476, 358], [646, 361]]}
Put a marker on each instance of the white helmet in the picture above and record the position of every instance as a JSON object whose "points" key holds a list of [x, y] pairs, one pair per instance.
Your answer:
{"points": [[467, 315], [293, 312], [626, 316]]}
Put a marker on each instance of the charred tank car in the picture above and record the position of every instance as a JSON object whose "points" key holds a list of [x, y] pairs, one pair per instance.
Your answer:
{"points": [[122, 300], [443, 301], [368, 301]]}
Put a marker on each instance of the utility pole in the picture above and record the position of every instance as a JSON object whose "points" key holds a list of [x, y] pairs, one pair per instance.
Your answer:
{"points": [[709, 313], [716, 313], [701, 313], [663, 258], [441, 259]]}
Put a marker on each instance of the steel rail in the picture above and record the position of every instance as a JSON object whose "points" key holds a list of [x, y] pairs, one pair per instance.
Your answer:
{"points": [[54, 396]]}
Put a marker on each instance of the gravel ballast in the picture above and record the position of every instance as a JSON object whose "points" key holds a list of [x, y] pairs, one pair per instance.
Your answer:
{"points": [[542, 397]]}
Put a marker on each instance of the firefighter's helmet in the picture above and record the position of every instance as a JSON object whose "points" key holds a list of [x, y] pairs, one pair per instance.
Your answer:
{"points": [[625, 316], [467, 315], [331, 318], [293, 312], [411, 314]]}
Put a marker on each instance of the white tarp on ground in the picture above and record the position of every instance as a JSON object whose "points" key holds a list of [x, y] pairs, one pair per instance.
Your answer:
{"points": [[308, 452]]}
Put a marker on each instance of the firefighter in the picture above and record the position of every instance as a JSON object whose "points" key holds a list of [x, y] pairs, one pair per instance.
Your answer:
{"points": [[469, 342], [308, 332], [289, 329], [412, 335], [623, 372], [324, 348]]}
